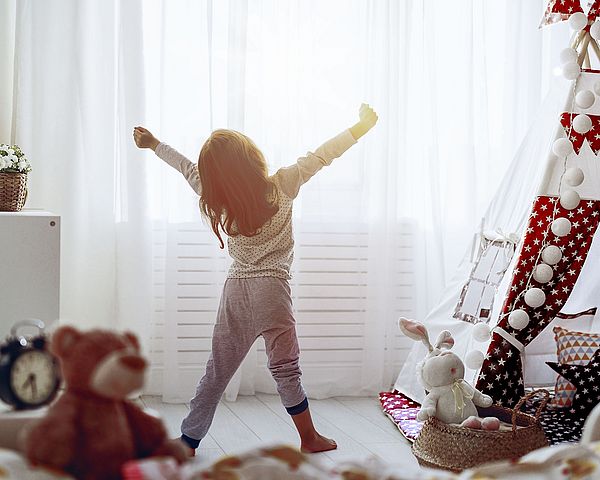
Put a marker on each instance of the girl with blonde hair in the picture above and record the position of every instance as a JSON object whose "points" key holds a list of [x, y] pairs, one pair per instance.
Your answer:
{"points": [[240, 199]]}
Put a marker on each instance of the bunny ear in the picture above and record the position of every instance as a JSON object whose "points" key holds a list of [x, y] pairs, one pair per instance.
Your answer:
{"points": [[444, 340], [415, 330]]}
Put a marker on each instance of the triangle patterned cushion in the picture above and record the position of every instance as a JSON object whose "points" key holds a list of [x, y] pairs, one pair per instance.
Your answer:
{"points": [[576, 348]]}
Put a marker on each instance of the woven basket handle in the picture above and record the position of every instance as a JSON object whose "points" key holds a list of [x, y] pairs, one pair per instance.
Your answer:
{"points": [[539, 410]]}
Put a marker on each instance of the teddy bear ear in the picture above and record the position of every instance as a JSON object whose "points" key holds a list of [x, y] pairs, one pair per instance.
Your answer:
{"points": [[63, 339], [132, 337], [444, 340]]}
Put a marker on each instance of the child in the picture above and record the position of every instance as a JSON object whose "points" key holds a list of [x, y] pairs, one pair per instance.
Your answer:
{"points": [[240, 199]]}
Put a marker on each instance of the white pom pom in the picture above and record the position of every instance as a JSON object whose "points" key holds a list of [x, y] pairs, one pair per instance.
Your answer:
{"points": [[578, 21], [535, 297], [518, 319], [543, 273], [561, 227], [474, 359], [562, 147], [582, 123], [551, 254], [585, 98], [595, 30], [597, 88], [571, 70], [569, 199], [568, 55], [482, 332], [574, 176]]}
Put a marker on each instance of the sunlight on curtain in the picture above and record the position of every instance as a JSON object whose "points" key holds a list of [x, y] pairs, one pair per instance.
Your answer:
{"points": [[448, 82], [378, 233]]}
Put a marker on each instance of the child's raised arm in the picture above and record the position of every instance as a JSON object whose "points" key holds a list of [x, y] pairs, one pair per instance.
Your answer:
{"points": [[144, 139], [293, 177], [368, 119]]}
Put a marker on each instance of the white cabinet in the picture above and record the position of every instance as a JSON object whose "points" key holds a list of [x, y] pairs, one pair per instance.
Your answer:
{"points": [[29, 267]]}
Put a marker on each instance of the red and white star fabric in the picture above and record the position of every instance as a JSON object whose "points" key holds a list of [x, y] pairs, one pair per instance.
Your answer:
{"points": [[559, 10], [592, 136], [403, 412], [501, 375], [594, 10]]}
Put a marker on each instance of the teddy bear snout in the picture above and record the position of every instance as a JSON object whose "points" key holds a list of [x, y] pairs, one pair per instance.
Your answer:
{"points": [[134, 362]]}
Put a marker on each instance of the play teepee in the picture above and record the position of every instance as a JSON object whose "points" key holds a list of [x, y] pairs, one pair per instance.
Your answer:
{"points": [[548, 266]]}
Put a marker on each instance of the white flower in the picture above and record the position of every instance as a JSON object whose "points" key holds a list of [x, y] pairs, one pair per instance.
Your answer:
{"points": [[10, 151], [23, 165], [3, 163]]}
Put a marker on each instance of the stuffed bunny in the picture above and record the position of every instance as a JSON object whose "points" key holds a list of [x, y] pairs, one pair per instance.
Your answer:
{"points": [[449, 398]]}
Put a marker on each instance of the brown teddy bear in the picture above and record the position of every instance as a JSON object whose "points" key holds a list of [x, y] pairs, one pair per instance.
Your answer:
{"points": [[92, 429]]}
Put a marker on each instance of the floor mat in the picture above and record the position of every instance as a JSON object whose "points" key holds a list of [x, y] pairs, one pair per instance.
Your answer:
{"points": [[403, 412], [558, 425]]}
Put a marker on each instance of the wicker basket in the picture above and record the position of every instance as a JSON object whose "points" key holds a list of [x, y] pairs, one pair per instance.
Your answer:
{"points": [[13, 191], [455, 448]]}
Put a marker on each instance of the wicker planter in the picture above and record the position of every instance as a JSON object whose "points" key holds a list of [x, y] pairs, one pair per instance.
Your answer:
{"points": [[455, 448], [13, 191]]}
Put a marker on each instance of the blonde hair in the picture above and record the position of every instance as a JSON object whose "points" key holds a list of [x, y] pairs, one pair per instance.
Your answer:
{"points": [[237, 196]]}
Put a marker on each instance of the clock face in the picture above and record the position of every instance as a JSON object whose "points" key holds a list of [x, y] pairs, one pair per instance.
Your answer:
{"points": [[33, 377]]}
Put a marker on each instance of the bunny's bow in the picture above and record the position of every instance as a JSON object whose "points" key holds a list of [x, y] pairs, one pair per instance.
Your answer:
{"points": [[461, 390]]}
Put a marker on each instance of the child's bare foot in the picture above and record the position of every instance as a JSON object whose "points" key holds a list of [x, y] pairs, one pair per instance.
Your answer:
{"points": [[190, 451], [318, 444]]}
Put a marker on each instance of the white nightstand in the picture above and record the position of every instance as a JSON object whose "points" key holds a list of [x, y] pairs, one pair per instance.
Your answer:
{"points": [[29, 267], [12, 421]]}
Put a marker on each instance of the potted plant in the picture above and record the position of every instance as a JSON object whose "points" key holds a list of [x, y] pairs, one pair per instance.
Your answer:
{"points": [[14, 168]]}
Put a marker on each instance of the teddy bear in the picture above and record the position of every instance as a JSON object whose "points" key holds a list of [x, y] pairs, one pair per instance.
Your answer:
{"points": [[449, 397], [93, 429]]}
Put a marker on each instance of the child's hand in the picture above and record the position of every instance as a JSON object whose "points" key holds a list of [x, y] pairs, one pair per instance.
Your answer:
{"points": [[144, 139], [367, 115], [368, 119]]}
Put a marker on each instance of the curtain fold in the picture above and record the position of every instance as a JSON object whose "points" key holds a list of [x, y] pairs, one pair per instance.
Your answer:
{"points": [[378, 233]]}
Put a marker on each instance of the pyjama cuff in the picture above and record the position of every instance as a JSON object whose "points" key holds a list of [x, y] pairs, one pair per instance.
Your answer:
{"points": [[297, 409]]}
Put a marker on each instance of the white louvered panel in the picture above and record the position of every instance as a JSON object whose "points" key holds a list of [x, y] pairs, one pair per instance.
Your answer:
{"points": [[330, 293]]}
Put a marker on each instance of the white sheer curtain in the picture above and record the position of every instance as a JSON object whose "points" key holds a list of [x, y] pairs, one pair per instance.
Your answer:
{"points": [[76, 89], [455, 85]]}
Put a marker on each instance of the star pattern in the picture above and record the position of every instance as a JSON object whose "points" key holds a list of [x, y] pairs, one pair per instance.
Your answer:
{"points": [[586, 379], [559, 10], [558, 427], [577, 139], [403, 412], [501, 375]]}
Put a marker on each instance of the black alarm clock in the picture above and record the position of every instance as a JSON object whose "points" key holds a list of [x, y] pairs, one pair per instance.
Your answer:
{"points": [[29, 373]]}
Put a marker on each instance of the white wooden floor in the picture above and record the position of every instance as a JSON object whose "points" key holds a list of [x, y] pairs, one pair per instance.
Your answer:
{"points": [[357, 424]]}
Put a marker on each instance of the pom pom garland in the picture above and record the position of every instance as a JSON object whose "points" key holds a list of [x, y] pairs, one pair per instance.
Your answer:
{"points": [[595, 30], [569, 199], [474, 359], [585, 98], [482, 332], [582, 123], [543, 273], [535, 297], [561, 227], [571, 70], [562, 147], [551, 254], [578, 21], [518, 319], [568, 55], [574, 176]]}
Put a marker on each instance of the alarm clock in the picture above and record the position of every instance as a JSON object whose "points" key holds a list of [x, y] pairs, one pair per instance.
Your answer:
{"points": [[29, 373]]}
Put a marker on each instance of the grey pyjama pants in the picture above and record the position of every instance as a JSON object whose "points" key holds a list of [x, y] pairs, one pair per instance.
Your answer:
{"points": [[249, 308]]}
